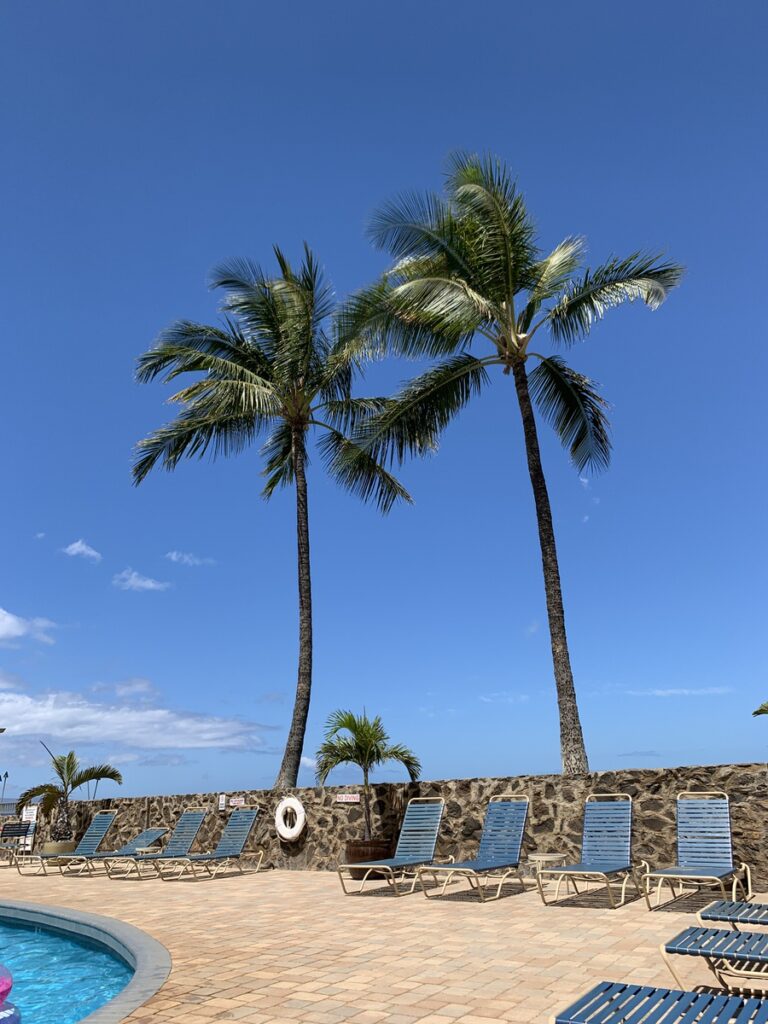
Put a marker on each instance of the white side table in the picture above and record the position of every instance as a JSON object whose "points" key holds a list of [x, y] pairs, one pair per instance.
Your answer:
{"points": [[546, 860]]}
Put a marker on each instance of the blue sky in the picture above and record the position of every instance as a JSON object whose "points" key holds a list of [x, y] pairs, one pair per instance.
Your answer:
{"points": [[143, 144]]}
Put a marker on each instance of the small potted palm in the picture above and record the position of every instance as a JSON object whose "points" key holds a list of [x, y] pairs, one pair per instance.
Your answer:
{"points": [[362, 741], [55, 796]]}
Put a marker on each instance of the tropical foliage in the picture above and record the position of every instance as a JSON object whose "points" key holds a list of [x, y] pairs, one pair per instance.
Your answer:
{"points": [[762, 710], [273, 371], [468, 273], [367, 745], [55, 795]]}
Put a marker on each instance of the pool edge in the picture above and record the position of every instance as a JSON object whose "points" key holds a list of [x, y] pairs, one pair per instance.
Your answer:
{"points": [[149, 958]]}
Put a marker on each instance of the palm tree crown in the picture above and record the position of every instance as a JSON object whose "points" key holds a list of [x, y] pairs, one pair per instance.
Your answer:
{"points": [[271, 371], [366, 745], [276, 371], [55, 795], [468, 271]]}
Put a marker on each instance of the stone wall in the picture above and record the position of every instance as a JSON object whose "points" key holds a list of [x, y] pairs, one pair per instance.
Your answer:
{"points": [[554, 821]]}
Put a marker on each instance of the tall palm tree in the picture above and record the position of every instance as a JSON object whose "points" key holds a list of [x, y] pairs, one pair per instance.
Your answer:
{"points": [[69, 776], [468, 272], [367, 745], [273, 370]]}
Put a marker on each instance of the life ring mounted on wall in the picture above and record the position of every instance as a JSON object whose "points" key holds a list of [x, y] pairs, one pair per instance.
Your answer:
{"points": [[290, 819]]}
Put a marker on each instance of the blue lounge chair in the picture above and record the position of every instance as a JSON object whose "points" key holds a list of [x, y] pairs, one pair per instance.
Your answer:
{"points": [[179, 845], [734, 913], [727, 953], [76, 865], [415, 846], [606, 849], [704, 849], [614, 1003], [12, 834], [228, 851], [498, 855], [90, 842]]}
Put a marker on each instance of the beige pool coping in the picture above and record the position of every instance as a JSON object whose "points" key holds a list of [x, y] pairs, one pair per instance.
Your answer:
{"points": [[289, 946]]}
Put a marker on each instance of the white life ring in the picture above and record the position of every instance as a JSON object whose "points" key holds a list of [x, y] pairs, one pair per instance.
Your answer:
{"points": [[290, 833]]}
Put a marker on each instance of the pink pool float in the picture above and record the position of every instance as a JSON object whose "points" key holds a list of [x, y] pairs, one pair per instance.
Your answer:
{"points": [[9, 1014]]}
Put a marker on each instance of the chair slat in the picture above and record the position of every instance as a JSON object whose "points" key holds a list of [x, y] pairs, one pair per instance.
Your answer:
{"points": [[614, 1003], [95, 832], [418, 834]]}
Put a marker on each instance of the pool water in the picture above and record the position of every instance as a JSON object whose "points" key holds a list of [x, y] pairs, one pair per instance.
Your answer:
{"points": [[58, 979]]}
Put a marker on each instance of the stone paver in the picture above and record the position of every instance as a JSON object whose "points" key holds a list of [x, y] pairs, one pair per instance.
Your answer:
{"points": [[289, 946]]}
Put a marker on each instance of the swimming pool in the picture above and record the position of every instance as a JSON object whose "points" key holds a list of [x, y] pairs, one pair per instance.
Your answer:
{"points": [[57, 978]]}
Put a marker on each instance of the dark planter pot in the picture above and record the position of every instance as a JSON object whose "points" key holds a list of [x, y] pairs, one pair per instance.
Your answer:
{"points": [[363, 851]]}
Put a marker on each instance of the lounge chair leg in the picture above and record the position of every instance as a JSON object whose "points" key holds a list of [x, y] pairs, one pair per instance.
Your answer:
{"points": [[642, 891], [672, 971], [540, 887], [448, 877], [611, 900]]}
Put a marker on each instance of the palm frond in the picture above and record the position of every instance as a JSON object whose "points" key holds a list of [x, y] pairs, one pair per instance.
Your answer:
{"points": [[418, 224], [65, 766], [347, 414], [175, 349], [277, 450], [762, 710], [95, 773], [407, 758], [192, 435], [354, 469], [639, 276], [482, 190], [371, 322], [551, 275], [412, 421], [570, 402], [333, 754], [47, 790], [447, 306]]}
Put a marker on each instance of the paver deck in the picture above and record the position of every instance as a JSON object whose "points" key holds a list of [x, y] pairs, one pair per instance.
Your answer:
{"points": [[288, 946]]}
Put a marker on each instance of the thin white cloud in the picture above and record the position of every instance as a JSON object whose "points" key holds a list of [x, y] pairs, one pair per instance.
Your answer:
{"points": [[39, 536], [14, 627], [187, 558], [73, 718], [585, 519], [136, 687], [531, 628], [128, 579], [704, 691], [504, 697], [584, 481], [79, 549], [308, 762]]}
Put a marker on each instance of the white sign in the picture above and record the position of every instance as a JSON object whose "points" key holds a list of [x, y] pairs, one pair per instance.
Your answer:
{"points": [[222, 801], [29, 813], [347, 798], [237, 801]]}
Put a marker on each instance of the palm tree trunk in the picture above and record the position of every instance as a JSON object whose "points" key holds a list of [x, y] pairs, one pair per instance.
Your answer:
{"points": [[367, 806], [289, 769], [573, 752], [61, 832]]}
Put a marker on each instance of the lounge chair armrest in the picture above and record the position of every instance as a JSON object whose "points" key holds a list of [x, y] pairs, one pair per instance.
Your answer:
{"points": [[646, 867], [444, 860]]}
